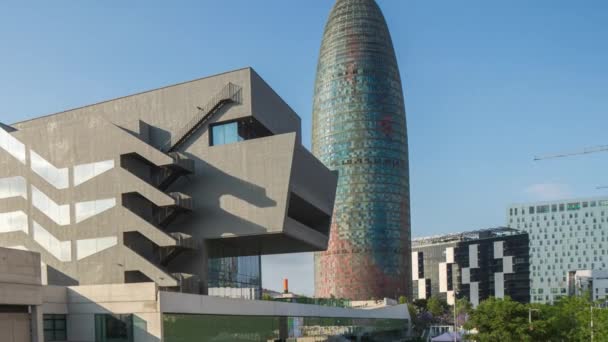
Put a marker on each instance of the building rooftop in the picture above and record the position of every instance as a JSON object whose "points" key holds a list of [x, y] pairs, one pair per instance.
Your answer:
{"points": [[465, 236]]}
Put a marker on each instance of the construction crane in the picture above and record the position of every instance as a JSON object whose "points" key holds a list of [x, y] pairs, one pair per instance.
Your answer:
{"points": [[603, 148], [595, 149]]}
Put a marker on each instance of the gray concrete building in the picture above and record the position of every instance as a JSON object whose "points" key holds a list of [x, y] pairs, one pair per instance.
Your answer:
{"points": [[120, 217], [21, 296], [156, 186]]}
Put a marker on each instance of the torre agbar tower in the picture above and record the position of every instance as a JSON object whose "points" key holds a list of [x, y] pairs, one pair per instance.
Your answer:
{"points": [[359, 129]]}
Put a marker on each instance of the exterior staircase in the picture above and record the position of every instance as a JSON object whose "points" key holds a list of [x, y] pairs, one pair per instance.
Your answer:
{"points": [[230, 93]]}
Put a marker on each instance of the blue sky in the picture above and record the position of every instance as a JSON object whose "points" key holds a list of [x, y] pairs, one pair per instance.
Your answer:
{"points": [[488, 85]]}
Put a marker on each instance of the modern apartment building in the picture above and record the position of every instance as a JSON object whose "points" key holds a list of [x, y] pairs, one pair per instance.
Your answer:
{"points": [[135, 209], [565, 236], [476, 265]]}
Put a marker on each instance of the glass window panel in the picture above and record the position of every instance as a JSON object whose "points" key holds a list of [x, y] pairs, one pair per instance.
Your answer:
{"points": [[88, 247], [85, 172], [13, 222], [60, 335], [13, 187], [113, 328], [54, 328], [218, 135], [61, 250], [85, 210], [58, 213], [226, 134], [231, 134], [179, 327], [54, 176], [11, 145]]}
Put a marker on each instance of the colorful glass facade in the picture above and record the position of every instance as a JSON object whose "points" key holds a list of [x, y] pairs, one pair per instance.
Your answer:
{"points": [[359, 129]]}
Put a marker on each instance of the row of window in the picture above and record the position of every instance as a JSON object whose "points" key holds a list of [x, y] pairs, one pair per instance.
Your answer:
{"points": [[108, 328], [545, 217], [558, 207]]}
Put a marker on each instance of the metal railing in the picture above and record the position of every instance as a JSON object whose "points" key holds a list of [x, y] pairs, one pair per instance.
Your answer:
{"points": [[230, 93]]}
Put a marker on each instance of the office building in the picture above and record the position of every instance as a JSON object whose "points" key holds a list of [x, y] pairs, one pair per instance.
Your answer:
{"points": [[476, 265], [359, 129], [565, 236]]}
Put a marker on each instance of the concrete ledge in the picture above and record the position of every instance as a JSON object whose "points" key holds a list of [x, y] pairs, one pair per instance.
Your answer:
{"points": [[171, 302]]}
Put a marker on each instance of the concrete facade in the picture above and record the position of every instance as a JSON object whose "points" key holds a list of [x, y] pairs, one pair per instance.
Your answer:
{"points": [[136, 189], [25, 304], [21, 296]]}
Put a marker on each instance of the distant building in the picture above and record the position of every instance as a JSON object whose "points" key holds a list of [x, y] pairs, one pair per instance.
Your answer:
{"points": [[476, 265], [565, 236], [588, 282]]}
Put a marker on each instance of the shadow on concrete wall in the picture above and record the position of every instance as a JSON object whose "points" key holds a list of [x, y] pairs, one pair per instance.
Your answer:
{"points": [[200, 186]]}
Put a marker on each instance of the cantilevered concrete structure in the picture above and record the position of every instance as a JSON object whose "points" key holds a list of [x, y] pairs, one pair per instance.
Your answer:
{"points": [[153, 187], [359, 129]]}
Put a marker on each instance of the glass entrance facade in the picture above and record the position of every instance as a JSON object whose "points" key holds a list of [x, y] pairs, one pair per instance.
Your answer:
{"points": [[220, 328]]}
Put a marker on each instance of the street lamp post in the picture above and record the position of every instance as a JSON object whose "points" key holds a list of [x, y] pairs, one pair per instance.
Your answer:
{"points": [[455, 302], [530, 317], [591, 324]]}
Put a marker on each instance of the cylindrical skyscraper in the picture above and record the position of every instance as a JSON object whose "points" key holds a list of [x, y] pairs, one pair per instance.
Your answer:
{"points": [[359, 129]]}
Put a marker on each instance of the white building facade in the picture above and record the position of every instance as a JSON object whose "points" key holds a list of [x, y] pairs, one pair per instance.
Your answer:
{"points": [[593, 283], [565, 236]]}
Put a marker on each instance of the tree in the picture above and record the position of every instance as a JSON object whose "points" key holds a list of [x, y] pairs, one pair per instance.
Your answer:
{"points": [[402, 300], [463, 309], [436, 306], [266, 296], [499, 320]]}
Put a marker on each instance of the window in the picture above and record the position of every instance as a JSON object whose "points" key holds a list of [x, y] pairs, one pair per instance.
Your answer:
{"points": [[574, 206], [11, 145], [13, 187], [55, 328], [54, 176], [542, 209], [235, 131], [62, 250], [88, 247], [561, 207], [85, 172], [585, 204], [113, 328], [58, 213], [531, 210], [553, 207], [225, 134], [85, 210]]}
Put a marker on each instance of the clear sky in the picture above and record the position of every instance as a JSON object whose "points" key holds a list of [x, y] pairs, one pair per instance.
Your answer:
{"points": [[488, 85]]}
